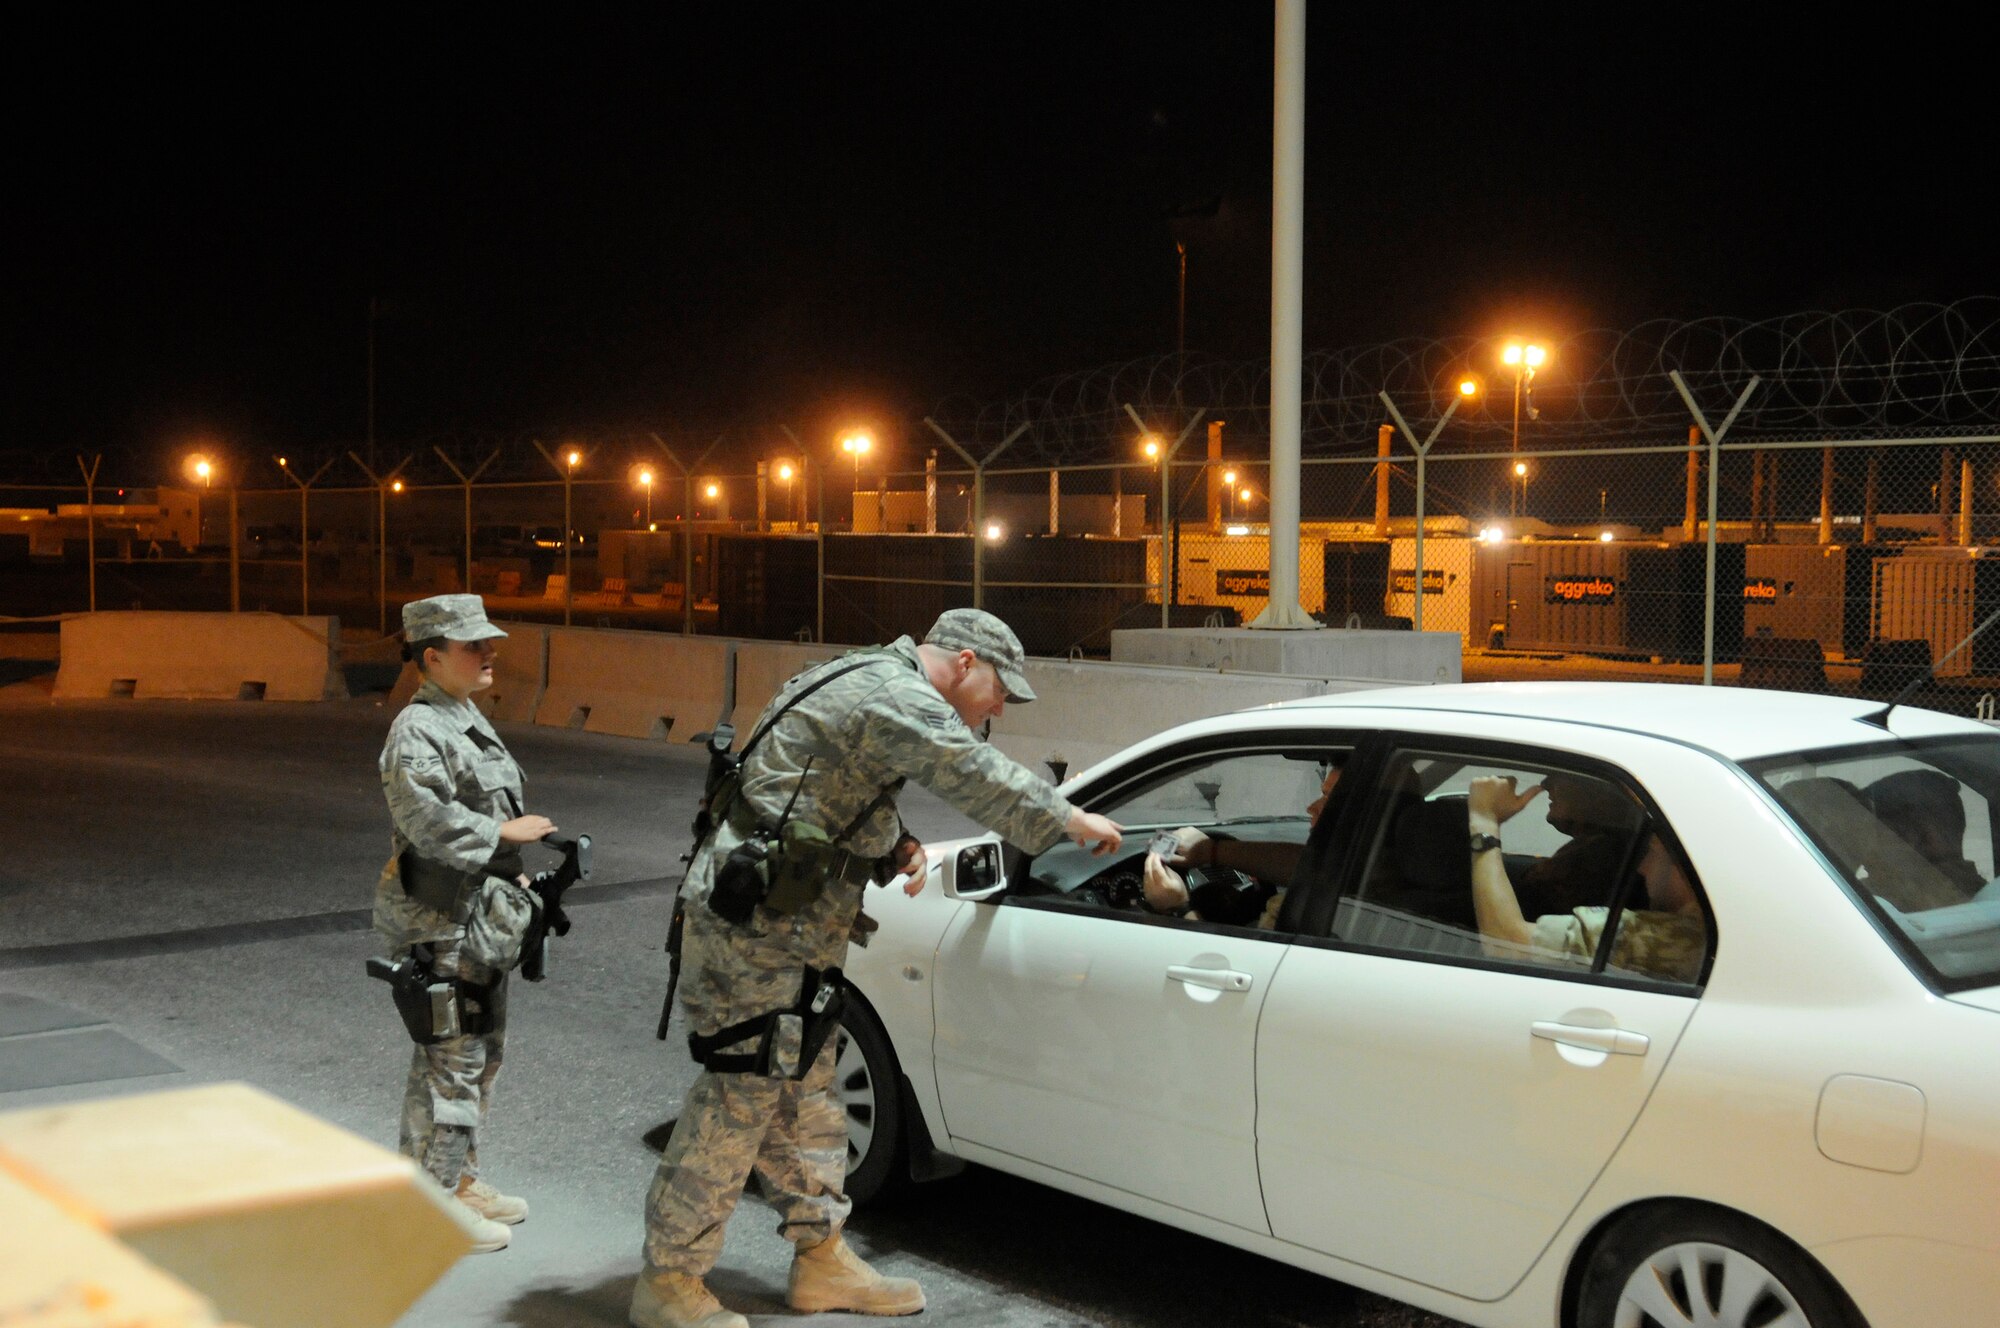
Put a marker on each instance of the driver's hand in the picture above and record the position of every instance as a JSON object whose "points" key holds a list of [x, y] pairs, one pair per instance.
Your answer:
{"points": [[1188, 851], [912, 861], [1100, 833], [1164, 889]]}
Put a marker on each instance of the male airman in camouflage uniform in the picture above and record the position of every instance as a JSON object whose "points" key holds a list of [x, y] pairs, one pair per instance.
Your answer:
{"points": [[907, 715], [454, 796]]}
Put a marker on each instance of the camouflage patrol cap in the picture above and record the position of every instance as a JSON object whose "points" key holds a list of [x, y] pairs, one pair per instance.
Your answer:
{"points": [[989, 639], [453, 617]]}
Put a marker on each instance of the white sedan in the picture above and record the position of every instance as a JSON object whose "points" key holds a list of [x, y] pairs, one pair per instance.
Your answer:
{"points": [[1591, 1006]]}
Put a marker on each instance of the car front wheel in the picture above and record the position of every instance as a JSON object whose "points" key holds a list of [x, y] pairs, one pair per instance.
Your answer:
{"points": [[1706, 1268], [865, 1073]]}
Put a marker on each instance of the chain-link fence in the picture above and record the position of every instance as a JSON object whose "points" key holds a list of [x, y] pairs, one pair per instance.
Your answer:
{"points": [[1804, 501]]}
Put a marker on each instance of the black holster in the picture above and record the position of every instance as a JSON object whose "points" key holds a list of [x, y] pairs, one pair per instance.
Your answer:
{"points": [[822, 1000], [470, 1008]]}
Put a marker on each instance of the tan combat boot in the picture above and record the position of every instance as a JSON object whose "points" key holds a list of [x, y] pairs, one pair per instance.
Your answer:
{"points": [[490, 1204], [830, 1276], [487, 1236], [678, 1300]]}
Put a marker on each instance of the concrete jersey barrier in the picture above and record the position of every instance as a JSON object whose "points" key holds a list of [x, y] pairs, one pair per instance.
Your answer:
{"points": [[762, 667], [200, 656], [634, 684], [520, 672]]}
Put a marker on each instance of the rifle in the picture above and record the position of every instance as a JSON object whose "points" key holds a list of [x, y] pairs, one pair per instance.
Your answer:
{"points": [[674, 930], [549, 887]]}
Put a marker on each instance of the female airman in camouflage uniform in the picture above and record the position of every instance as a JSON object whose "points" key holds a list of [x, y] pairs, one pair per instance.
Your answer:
{"points": [[453, 889]]}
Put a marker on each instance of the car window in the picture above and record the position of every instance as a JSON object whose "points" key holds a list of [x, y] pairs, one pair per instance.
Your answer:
{"points": [[1240, 822], [1584, 878], [1911, 827]]}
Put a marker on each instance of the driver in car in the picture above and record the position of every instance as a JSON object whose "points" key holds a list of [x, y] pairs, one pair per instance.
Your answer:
{"points": [[1224, 863]]}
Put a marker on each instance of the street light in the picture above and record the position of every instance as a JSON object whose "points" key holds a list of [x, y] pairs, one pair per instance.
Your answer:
{"points": [[646, 483], [856, 445], [1521, 479], [1524, 359], [786, 473], [1229, 484]]}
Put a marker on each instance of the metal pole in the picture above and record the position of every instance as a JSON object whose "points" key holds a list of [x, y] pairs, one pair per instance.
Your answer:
{"points": [[1714, 437], [1826, 495], [381, 483], [1693, 482], [978, 536], [305, 555], [1287, 274], [1965, 501], [1423, 451], [235, 552], [1384, 438], [90, 521], [1869, 495], [569, 581], [819, 559]]}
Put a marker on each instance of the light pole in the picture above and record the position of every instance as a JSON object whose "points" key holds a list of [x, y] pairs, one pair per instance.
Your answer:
{"points": [[1229, 486], [646, 483], [856, 445], [1524, 359], [1521, 482]]}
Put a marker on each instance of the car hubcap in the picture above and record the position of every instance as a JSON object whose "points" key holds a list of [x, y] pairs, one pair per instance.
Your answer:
{"points": [[857, 1097], [1697, 1285]]}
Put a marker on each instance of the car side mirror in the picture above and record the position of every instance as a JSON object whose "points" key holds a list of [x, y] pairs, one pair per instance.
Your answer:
{"points": [[976, 874]]}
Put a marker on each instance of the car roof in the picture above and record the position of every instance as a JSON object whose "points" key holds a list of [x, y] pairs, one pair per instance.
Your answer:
{"points": [[1736, 722]]}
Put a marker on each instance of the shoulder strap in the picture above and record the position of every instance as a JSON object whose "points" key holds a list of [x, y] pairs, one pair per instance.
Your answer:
{"points": [[804, 692]]}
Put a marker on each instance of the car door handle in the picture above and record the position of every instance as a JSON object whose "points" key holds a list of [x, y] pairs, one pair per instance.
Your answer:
{"points": [[1221, 979], [1617, 1041]]}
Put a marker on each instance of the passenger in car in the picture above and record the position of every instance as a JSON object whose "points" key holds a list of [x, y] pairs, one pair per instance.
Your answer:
{"points": [[1599, 819], [1271, 863], [1667, 939], [1923, 808]]}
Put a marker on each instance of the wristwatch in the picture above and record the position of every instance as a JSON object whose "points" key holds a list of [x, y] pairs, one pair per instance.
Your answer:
{"points": [[1480, 843]]}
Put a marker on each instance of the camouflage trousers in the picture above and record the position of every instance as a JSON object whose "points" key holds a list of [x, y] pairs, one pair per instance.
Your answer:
{"points": [[791, 1134], [450, 1088]]}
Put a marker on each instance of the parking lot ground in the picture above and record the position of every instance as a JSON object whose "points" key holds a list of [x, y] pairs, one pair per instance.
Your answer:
{"points": [[192, 880]]}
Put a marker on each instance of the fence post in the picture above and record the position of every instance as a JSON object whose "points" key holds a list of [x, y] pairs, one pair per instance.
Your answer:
{"points": [[978, 500], [382, 483], [1423, 450], [90, 520], [1167, 521], [466, 480], [1714, 437], [305, 538]]}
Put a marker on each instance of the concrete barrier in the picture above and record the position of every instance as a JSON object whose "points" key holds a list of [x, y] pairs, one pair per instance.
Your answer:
{"points": [[1085, 712], [634, 684], [200, 656], [520, 673], [762, 667], [270, 1215], [1407, 657]]}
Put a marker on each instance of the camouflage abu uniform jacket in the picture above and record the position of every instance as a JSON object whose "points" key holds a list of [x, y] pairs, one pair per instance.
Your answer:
{"points": [[450, 783], [868, 730]]}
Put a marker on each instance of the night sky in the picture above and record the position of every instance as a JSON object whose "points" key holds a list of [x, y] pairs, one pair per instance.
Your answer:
{"points": [[717, 216]]}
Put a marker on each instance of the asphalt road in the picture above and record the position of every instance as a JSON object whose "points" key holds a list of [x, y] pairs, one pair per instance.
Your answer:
{"points": [[198, 874]]}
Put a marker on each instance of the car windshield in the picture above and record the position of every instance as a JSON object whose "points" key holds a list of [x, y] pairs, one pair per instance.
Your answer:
{"points": [[1912, 826]]}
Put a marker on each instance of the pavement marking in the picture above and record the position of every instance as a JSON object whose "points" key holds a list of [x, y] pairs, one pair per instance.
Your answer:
{"points": [[192, 939], [74, 1056], [30, 1014]]}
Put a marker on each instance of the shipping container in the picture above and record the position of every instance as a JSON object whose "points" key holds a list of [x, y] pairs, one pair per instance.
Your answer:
{"points": [[1549, 595], [1938, 595], [1447, 584], [1823, 592]]}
